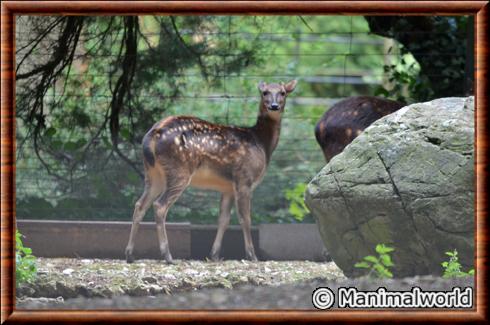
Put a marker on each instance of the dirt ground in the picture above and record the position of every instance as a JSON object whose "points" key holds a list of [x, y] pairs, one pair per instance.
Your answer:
{"points": [[149, 284], [70, 278]]}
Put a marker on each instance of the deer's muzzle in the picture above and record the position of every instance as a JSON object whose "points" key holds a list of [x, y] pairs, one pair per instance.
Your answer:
{"points": [[274, 107]]}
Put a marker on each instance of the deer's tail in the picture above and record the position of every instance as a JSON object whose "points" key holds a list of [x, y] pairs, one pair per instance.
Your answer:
{"points": [[148, 149]]}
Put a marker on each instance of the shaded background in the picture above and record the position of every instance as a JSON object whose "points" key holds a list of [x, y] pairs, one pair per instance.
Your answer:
{"points": [[88, 89]]}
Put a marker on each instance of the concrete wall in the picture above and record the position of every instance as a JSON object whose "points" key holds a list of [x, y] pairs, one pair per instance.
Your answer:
{"points": [[97, 239], [291, 242], [233, 247]]}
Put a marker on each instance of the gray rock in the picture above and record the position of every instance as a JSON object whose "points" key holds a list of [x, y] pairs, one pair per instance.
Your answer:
{"points": [[139, 290], [406, 181], [150, 279], [65, 291]]}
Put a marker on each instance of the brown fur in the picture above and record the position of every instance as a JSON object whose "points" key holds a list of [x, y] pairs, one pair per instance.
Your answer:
{"points": [[182, 151], [345, 120]]}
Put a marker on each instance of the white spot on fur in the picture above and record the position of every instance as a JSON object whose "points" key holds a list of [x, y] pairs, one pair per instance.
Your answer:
{"points": [[184, 140]]}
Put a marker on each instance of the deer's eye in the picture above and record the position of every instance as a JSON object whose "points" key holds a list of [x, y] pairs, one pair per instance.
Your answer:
{"points": [[283, 93], [265, 93]]}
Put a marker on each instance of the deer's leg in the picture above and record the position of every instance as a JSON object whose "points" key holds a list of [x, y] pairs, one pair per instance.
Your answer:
{"points": [[223, 222], [243, 198], [175, 186], [140, 208]]}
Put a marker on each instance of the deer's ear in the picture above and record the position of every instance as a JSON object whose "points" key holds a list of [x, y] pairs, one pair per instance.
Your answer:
{"points": [[290, 86], [262, 86]]}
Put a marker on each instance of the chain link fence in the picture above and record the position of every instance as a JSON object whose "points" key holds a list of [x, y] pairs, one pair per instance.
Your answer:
{"points": [[331, 60]]}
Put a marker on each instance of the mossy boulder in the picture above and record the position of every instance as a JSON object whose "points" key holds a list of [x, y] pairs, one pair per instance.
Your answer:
{"points": [[407, 181]]}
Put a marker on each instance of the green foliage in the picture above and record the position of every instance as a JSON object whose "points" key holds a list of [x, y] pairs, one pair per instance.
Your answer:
{"points": [[431, 59], [296, 199], [405, 83], [25, 263], [452, 268], [378, 266]]}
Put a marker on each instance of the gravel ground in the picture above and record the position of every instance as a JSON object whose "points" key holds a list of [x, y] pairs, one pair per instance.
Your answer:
{"points": [[63, 278], [288, 296], [64, 283]]}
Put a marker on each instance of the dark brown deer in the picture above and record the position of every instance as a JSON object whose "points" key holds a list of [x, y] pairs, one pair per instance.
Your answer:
{"points": [[181, 150], [345, 120]]}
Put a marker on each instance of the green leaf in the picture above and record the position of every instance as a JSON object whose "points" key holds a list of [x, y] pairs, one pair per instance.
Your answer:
{"points": [[382, 271], [56, 144], [74, 145], [107, 142], [362, 265], [386, 260], [125, 134], [296, 211], [50, 132], [383, 249], [389, 274], [382, 92], [295, 196], [371, 258], [70, 145], [81, 143], [379, 268], [25, 263]]}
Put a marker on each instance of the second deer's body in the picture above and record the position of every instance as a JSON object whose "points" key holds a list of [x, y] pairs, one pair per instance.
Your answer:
{"points": [[345, 120], [181, 150]]}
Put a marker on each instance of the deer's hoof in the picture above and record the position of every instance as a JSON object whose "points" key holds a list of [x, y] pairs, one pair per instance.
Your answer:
{"points": [[170, 261], [252, 257], [129, 258], [214, 255], [168, 258], [215, 258]]}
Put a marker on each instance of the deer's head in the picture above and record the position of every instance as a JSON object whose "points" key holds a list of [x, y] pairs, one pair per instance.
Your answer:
{"points": [[274, 96]]}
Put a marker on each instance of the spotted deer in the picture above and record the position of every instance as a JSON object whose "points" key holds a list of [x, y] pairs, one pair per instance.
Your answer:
{"points": [[182, 151], [345, 120]]}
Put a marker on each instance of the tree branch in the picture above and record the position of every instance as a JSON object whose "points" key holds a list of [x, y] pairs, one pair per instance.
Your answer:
{"points": [[122, 88]]}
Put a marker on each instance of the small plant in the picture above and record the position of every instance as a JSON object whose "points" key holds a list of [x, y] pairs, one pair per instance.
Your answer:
{"points": [[378, 265], [296, 199], [25, 263], [452, 268]]}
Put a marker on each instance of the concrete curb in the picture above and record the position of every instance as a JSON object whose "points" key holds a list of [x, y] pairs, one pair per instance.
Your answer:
{"points": [[108, 239]]}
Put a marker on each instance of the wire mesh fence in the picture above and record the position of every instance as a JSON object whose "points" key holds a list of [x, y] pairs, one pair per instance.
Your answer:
{"points": [[330, 60]]}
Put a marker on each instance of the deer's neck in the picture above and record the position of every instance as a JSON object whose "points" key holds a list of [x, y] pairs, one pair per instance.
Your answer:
{"points": [[267, 130]]}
